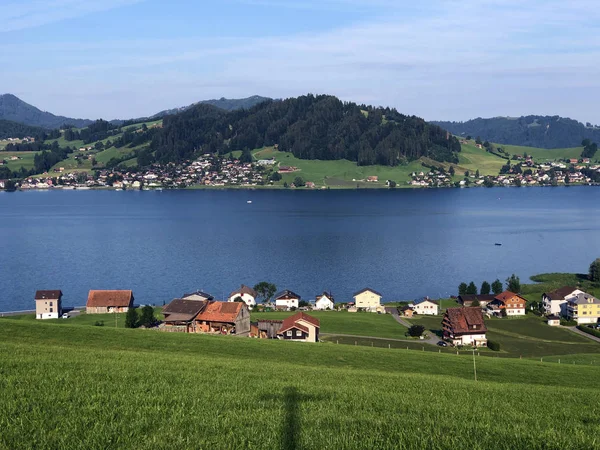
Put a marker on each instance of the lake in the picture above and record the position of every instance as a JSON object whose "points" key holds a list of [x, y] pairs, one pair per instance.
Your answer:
{"points": [[404, 243]]}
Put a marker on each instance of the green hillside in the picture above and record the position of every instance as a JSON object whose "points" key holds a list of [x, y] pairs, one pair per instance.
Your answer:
{"points": [[66, 386]]}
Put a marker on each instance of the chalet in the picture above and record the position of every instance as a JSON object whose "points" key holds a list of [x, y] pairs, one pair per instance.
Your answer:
{"points": [[198, 295], [555, 302], [464, 326], [48, 304], [247, 294], [207, 316], [406, 311], [513, 304], [424, 306], [368, 300], [300, 327], [469, 299], [102, 302], [286, 300], [324, 301]]}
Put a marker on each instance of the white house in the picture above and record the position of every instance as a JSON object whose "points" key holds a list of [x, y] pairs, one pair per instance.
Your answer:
{"points": [[424, 306], [48, 304], [555, 302], [246, 293], [324, 301], [287, 299]]}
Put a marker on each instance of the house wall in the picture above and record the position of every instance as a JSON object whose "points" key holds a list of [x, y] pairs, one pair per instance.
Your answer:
{"points": [[48, 309], [426, 308], [248, 299], [106, 310], [296, 335], [515, 311], [242, 323], [313, 331], [323, 303], [289, 303], [469, 339], [368, 300]]}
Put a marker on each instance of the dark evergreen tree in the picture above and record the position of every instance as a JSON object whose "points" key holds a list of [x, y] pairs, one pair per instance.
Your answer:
{"points": [[497, 287], [485, 288], [472, 289]]}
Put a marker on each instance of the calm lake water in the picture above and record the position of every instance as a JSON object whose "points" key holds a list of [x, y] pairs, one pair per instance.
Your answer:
{"points": [[404, 243]]}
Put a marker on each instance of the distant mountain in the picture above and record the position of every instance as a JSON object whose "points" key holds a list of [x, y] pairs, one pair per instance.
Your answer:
{"points": [[227, 104], [14, 109], [9, 129], [532, 131]]}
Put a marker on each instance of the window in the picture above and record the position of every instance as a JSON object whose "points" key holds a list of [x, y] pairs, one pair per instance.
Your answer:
{"points": [[298, 333], [50, 309], [50, 303], [289, 333]]}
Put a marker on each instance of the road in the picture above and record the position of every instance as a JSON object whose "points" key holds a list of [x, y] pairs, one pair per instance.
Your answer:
{"points": [[581, 333], [431, 339]]}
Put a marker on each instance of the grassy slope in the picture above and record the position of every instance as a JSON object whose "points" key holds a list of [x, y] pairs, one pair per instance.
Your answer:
{"points": [[361, 324], [88, 387], [543, 154], [25, 161]]}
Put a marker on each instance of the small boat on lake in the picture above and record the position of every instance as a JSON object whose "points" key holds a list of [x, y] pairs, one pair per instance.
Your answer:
{"points": [[249, 201], [497, 244]]}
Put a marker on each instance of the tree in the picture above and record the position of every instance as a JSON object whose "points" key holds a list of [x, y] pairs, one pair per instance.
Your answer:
{"points": [[475, 303], [246, 156], [131, 318], [285, 184], [469, 138], [147, 318], [303, 304], [513, 284], [275, 176], [467, 173], [10, 186], [472, 289], [477, 173], [462, 288], [485, 288], [595, 271], [496, 287], [416, 330], [265, 290], [451, 170], [478, 140], [299, 182], [391, 183]]}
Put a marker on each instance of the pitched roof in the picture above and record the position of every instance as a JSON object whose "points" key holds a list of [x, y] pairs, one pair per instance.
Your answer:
{"points": [[199, 294], [406, 308], [286, 293], [507, 295], [584, 298], [423, 300], [291, 322], [561, 293], [472, 297], [48, 295], [244, 290], [366, 289], [100, 298], [326, 294], [462, 320], [221, 311], [182, 310]]}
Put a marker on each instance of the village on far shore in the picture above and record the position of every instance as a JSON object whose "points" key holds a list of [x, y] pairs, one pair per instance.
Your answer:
{"points": [[199, 312]]}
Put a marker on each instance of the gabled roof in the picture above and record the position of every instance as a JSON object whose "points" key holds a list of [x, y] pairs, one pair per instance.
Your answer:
{"points": [[507, 295], [462, 320], [561, 293], [244, 290], [182, 310], [292, 322], [406, 308], [365, 290], [199, 294], [584, 298], [423, 300], [326, 294], [286, 293], [221, 311], [102, 298], [479, 297], [48, 295]]}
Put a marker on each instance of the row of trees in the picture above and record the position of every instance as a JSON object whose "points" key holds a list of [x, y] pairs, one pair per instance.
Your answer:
{"points": [[589, 148], [311, 127], [513, 284], [145, 318]]}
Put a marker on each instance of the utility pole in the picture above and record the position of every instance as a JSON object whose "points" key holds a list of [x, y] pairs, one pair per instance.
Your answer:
{"points": [[474, 365]]}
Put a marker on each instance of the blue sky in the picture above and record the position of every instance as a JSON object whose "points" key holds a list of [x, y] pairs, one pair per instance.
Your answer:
{"points": [[440, 59]]}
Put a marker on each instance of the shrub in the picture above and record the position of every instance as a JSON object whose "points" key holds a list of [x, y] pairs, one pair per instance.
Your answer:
{"points": [[568, 323], [99, 323], [589, 330], [131, 318], [492, 345], [416, 330]]}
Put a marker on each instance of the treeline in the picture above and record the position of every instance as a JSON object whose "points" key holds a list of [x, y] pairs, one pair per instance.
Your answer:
{"points": [[589, 148], [42, 162], [532, 131], [513, 284], [311, 127], [9, 129], [97, 131]]}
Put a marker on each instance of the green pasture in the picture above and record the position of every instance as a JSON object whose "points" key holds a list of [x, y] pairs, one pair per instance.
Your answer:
{"points": [[26, 160]]}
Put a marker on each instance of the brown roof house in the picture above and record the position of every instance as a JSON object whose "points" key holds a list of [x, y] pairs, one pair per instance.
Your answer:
{"points": [[102, 302], [469, 299], [464, 326], [300, 327], [247, 294], [207, 316], [48, 304]]}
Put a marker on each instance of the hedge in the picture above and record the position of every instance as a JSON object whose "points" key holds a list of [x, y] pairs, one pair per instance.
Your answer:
{"points": [[589, 330], [495, 346]]}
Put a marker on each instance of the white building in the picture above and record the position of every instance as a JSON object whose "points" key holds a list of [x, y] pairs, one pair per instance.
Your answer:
{"points": [[555, 302], [287, 299], [48, 304], [424, 306], [324, 301], [246, 293], [368, 300]]}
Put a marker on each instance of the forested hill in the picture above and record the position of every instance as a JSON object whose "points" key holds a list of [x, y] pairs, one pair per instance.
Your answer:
{"points": [[311, 127], [227, 104], [16, 110], [531, 131], [9, 129]]}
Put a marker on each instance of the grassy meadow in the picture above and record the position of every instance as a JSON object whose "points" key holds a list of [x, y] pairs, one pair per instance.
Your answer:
{"points": [[26, 160], [90, 387]]}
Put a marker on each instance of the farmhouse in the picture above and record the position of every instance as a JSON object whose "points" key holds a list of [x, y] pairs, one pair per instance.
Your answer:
{"points": [[583, 308], [300, 327], [102, 302], [464, 326], [555, 302], [469, 299], [368, 300], [207, 316], [424, 306], [286, 300], [247, 294], [48, 304], [324, 301], [512, 303]]}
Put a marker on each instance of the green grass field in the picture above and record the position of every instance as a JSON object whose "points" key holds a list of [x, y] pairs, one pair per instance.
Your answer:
{"points": [[90, 387], [543, 154], [26, 160], [343, 322]]}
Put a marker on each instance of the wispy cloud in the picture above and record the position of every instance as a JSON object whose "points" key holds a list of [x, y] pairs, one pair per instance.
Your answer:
{"points": [[33, 13]]}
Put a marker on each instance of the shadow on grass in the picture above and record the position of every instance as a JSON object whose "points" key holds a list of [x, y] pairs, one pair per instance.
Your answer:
{"points": [[292, 422]]}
